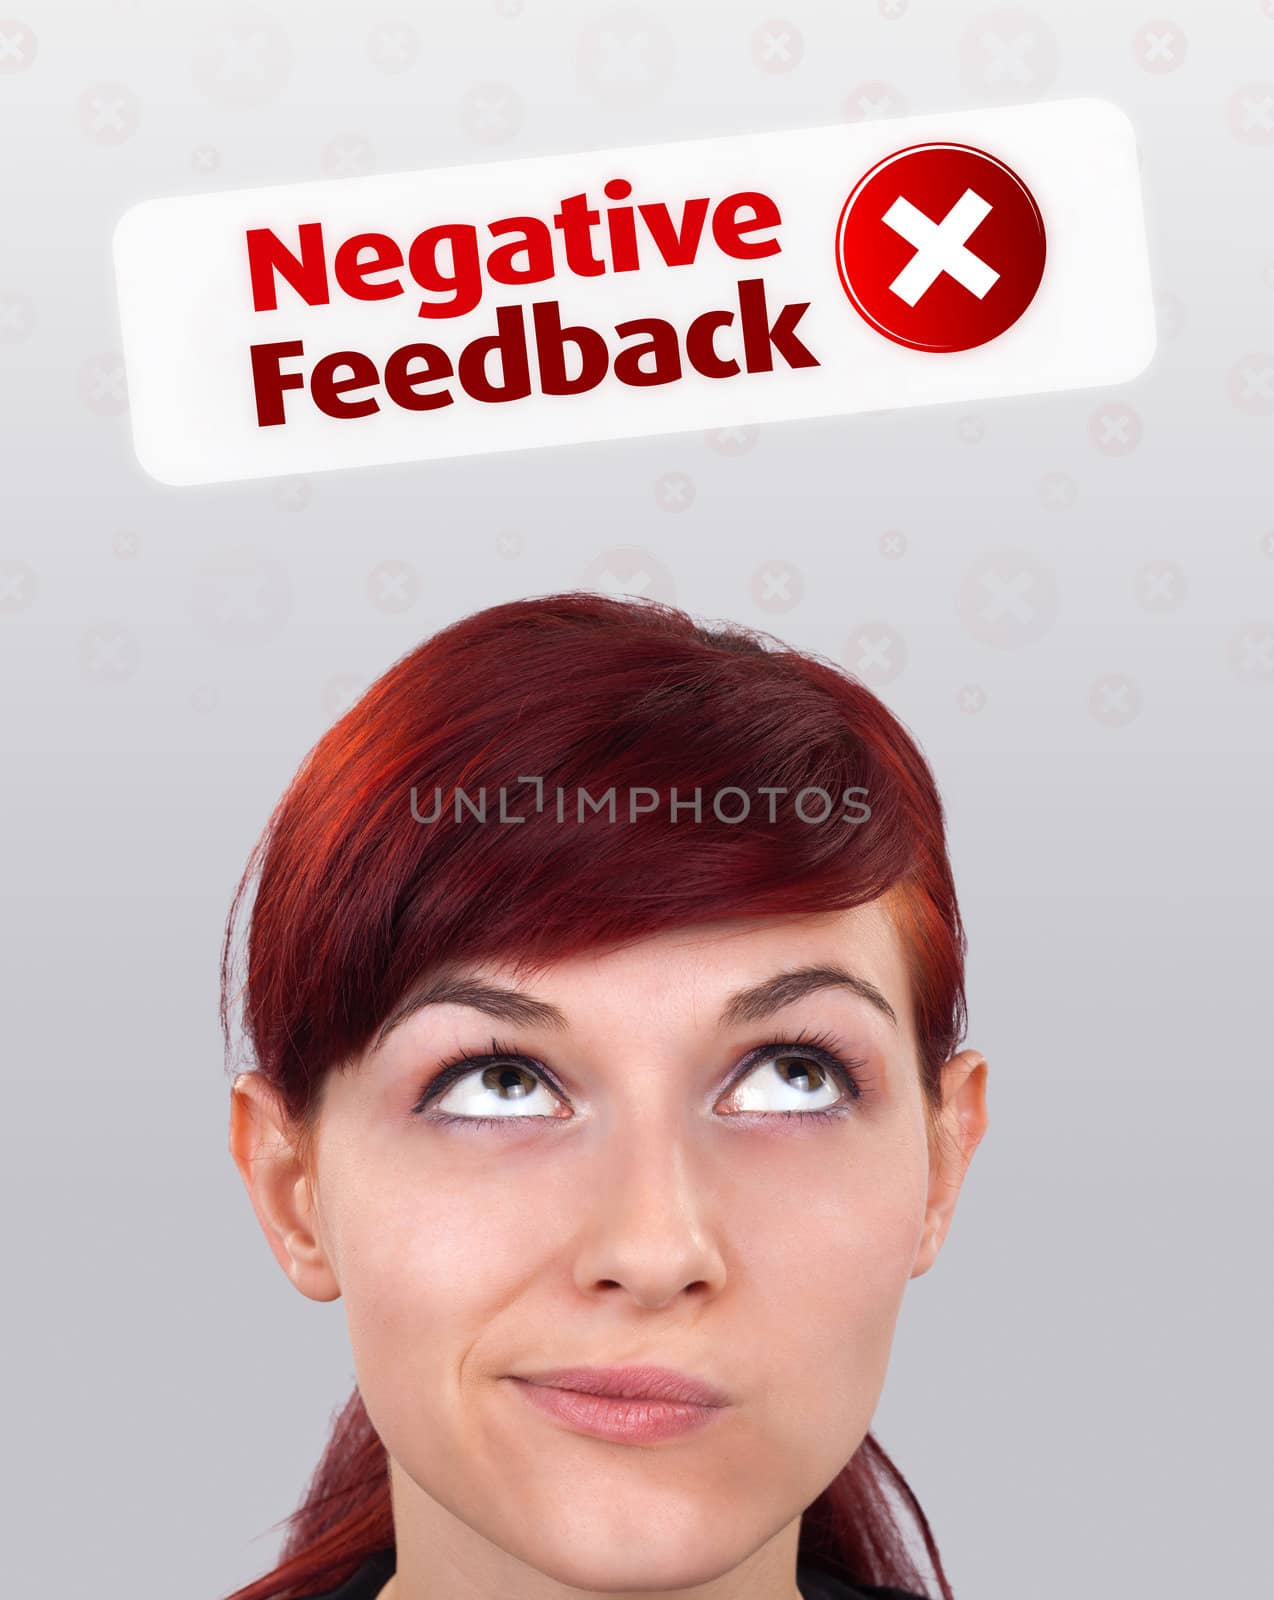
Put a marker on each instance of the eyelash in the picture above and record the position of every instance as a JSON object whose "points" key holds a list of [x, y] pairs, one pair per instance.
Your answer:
{"points": [[818, 1046]]}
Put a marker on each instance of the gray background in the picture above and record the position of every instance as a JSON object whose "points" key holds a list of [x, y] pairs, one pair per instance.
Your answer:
{"points": [[1081, 635]]}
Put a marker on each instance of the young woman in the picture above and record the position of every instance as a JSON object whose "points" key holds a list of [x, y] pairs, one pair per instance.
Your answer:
{"points": [[604, 984]]}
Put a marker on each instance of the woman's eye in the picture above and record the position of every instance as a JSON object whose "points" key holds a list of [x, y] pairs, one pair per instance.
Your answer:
{"points": [[498, 1089], [783, 1080], [789, 1080]]}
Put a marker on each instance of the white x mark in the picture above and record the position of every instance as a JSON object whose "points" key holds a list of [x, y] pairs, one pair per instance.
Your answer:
{"points": [[348, 156], [106, 383], [1006, 594], [940, 247], [106, 113], [491, 110], [873, 653], [13, 45], [776, 585], [1058, 490], [1008, 57], [776, 46], [1159, 47], [1257, 113]]}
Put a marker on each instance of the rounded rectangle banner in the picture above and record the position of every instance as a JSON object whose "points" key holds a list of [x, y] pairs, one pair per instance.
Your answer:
{"points": [[564, 298]]}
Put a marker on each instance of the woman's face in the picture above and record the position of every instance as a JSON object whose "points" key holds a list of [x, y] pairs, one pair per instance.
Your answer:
{"points": [[639, 1198]]}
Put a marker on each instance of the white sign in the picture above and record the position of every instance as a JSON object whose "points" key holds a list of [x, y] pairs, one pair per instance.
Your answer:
{"points": [[708, 283]]}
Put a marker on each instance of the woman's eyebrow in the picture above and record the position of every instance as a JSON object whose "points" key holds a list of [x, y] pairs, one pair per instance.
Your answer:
{"points": [[519, 1008]]}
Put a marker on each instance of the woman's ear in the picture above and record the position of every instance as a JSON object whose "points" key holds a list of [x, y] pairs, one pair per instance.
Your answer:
{"points": [[265, 1149], [962, 1122]]}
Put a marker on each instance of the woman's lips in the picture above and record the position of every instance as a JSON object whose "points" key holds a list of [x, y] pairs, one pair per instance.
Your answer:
{"points": [[627, 1421]]}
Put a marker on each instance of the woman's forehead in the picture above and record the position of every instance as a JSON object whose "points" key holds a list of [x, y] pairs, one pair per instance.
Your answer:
{"points": [[722, 975], [728, 947]]}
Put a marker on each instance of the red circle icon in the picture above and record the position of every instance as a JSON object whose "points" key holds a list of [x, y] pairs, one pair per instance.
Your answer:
{"points": [[941, 247]]}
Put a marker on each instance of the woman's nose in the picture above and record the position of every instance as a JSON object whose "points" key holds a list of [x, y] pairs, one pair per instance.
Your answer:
{"points": [[651, 1221]]}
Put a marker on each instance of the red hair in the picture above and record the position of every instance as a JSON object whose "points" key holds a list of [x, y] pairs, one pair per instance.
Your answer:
{"points": [[356, 899]]}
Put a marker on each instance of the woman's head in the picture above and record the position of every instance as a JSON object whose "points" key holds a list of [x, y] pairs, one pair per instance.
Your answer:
{"points": [[707, 994]]}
